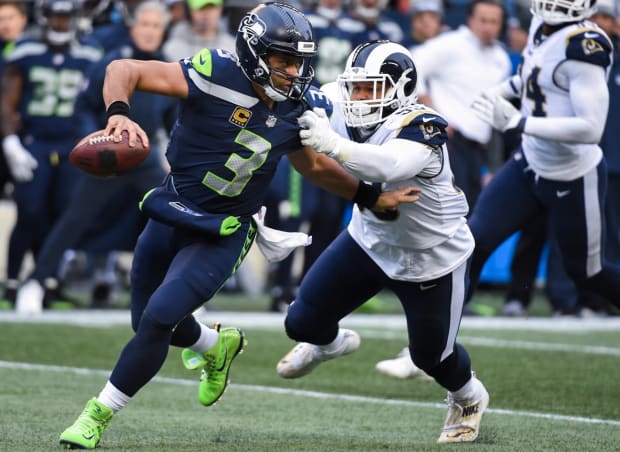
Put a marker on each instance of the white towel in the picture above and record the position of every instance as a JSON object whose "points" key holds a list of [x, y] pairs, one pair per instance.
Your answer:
{"points": [[277, 245]]}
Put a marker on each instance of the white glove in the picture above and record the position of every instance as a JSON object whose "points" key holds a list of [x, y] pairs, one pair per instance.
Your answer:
{"points": [[317, 133], [498, 112], [277, 245], [21, 163]]}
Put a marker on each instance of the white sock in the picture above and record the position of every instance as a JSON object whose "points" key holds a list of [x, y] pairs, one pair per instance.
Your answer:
{"points": [[208, 338], [469, 391], [335, 344], [111, 397]]}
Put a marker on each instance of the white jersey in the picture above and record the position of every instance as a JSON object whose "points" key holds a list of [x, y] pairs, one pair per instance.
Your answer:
{"points": [[426, 239], [548, 73]]}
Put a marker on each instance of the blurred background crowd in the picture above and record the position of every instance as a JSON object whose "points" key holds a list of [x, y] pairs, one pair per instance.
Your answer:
{"points": [[61, 227]]}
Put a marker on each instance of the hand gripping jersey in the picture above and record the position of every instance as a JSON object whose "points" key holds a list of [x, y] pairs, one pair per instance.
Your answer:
{"points": [[226, 143], [546, 93], [426, 239]]}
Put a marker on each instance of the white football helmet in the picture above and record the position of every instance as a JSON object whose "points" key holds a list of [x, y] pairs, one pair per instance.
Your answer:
{"points": [[555, 12], [390, 67]]}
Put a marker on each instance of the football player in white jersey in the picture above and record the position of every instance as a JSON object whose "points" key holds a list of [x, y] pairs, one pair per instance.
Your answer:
{"points": [[560, 169], [420, 251]]}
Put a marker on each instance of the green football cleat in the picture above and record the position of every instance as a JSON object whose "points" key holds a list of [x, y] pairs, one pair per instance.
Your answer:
{"points": [[85, 433], [215, 364]]}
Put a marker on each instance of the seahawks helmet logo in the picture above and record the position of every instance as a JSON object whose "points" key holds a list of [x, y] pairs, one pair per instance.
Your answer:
{"points": [[252, 28]]}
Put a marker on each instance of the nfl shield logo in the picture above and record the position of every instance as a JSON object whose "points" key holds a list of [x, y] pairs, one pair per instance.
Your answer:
{"points": [[271, 121]]}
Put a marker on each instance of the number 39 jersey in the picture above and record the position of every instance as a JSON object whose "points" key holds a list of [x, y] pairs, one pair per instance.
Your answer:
{"points": [[226, 143], [51, 83], [546, 94]]}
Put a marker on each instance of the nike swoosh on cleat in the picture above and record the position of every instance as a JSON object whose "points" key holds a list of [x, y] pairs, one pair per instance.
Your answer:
{"points": [[88, 437], [224, 363]]}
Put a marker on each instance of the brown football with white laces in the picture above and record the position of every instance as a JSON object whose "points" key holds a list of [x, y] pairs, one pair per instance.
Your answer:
{"points": [[99, 155]]}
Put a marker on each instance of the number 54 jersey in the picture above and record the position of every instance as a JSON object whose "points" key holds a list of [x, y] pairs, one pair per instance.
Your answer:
{"points": [[226, 143]]}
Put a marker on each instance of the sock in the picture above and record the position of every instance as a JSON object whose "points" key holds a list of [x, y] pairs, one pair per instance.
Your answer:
{"points": [[335, 344], [111, 397], [208, 338], [468, 392]]}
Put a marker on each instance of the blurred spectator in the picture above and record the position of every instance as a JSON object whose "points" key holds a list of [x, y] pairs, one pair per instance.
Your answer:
{"points": [[607, 18], [334, 30], [453, 68], [113, 32], [376, 23], [178, 11], [425, 22], [40, 83], [203, 30], [13, 21], [95, 203]]}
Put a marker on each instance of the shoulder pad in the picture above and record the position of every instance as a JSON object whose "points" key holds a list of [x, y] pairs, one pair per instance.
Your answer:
{"points": [[203, 62], [420, 123], [590, 45], [317, 98]]}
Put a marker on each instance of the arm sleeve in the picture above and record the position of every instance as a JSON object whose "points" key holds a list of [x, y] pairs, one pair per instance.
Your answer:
{"points": [[590, 100], [391, 161]]}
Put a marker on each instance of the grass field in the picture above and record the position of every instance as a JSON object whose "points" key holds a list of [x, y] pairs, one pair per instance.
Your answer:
{"points": [[553, 386]]}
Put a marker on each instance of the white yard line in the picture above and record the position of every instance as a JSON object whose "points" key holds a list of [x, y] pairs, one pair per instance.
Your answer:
{"points": [[313, 394], [93, 317]]}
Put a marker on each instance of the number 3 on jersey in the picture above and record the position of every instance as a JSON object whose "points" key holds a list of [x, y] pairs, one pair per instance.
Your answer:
{"points": [[242, 167]]}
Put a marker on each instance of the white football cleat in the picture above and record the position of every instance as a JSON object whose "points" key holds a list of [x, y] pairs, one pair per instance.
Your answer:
{"points": [[402, 367], [304, 357], [463, 420], [30, 298]]}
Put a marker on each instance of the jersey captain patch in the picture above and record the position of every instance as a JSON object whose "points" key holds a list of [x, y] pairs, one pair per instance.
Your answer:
{"points": [[240, 117]]}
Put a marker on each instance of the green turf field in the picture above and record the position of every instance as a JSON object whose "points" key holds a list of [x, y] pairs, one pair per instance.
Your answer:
{"points": [[553, 386]]}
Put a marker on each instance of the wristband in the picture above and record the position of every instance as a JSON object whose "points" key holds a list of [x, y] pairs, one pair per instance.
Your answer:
{"points": [[117, 108], [366, 195]]}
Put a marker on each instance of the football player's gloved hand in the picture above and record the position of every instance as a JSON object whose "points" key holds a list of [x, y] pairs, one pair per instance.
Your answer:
{"points": [[498, 112], [21, 163], [317, 133]]}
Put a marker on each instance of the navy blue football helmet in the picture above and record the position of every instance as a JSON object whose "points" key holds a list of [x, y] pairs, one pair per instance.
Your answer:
{"points": [[390, 67], [276, 27], [54, 33]]}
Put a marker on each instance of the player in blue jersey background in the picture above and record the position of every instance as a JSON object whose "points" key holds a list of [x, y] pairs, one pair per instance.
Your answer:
{"points": [[40, 82], [237, 118]]}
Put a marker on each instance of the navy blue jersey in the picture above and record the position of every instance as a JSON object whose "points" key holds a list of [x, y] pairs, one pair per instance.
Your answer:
{"points": [[227, 143], [51, 82]]}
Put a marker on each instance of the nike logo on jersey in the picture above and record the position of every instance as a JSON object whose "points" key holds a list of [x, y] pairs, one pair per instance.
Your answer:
{"points": [[428, 118], [590, 35], [562, 193], [427, 287]]}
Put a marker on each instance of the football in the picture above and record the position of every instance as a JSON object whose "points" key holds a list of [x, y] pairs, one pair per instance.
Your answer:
{"points": [[97, 154]]}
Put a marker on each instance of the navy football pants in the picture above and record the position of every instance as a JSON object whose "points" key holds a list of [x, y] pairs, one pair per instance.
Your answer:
{"points": [[344, 277], [516, 196], [174, 272]]}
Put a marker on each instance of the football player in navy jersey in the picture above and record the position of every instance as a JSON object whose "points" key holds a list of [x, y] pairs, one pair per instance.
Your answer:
{"points": [[40, 83], [237, 118], [420, 251], [560, 168]]}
